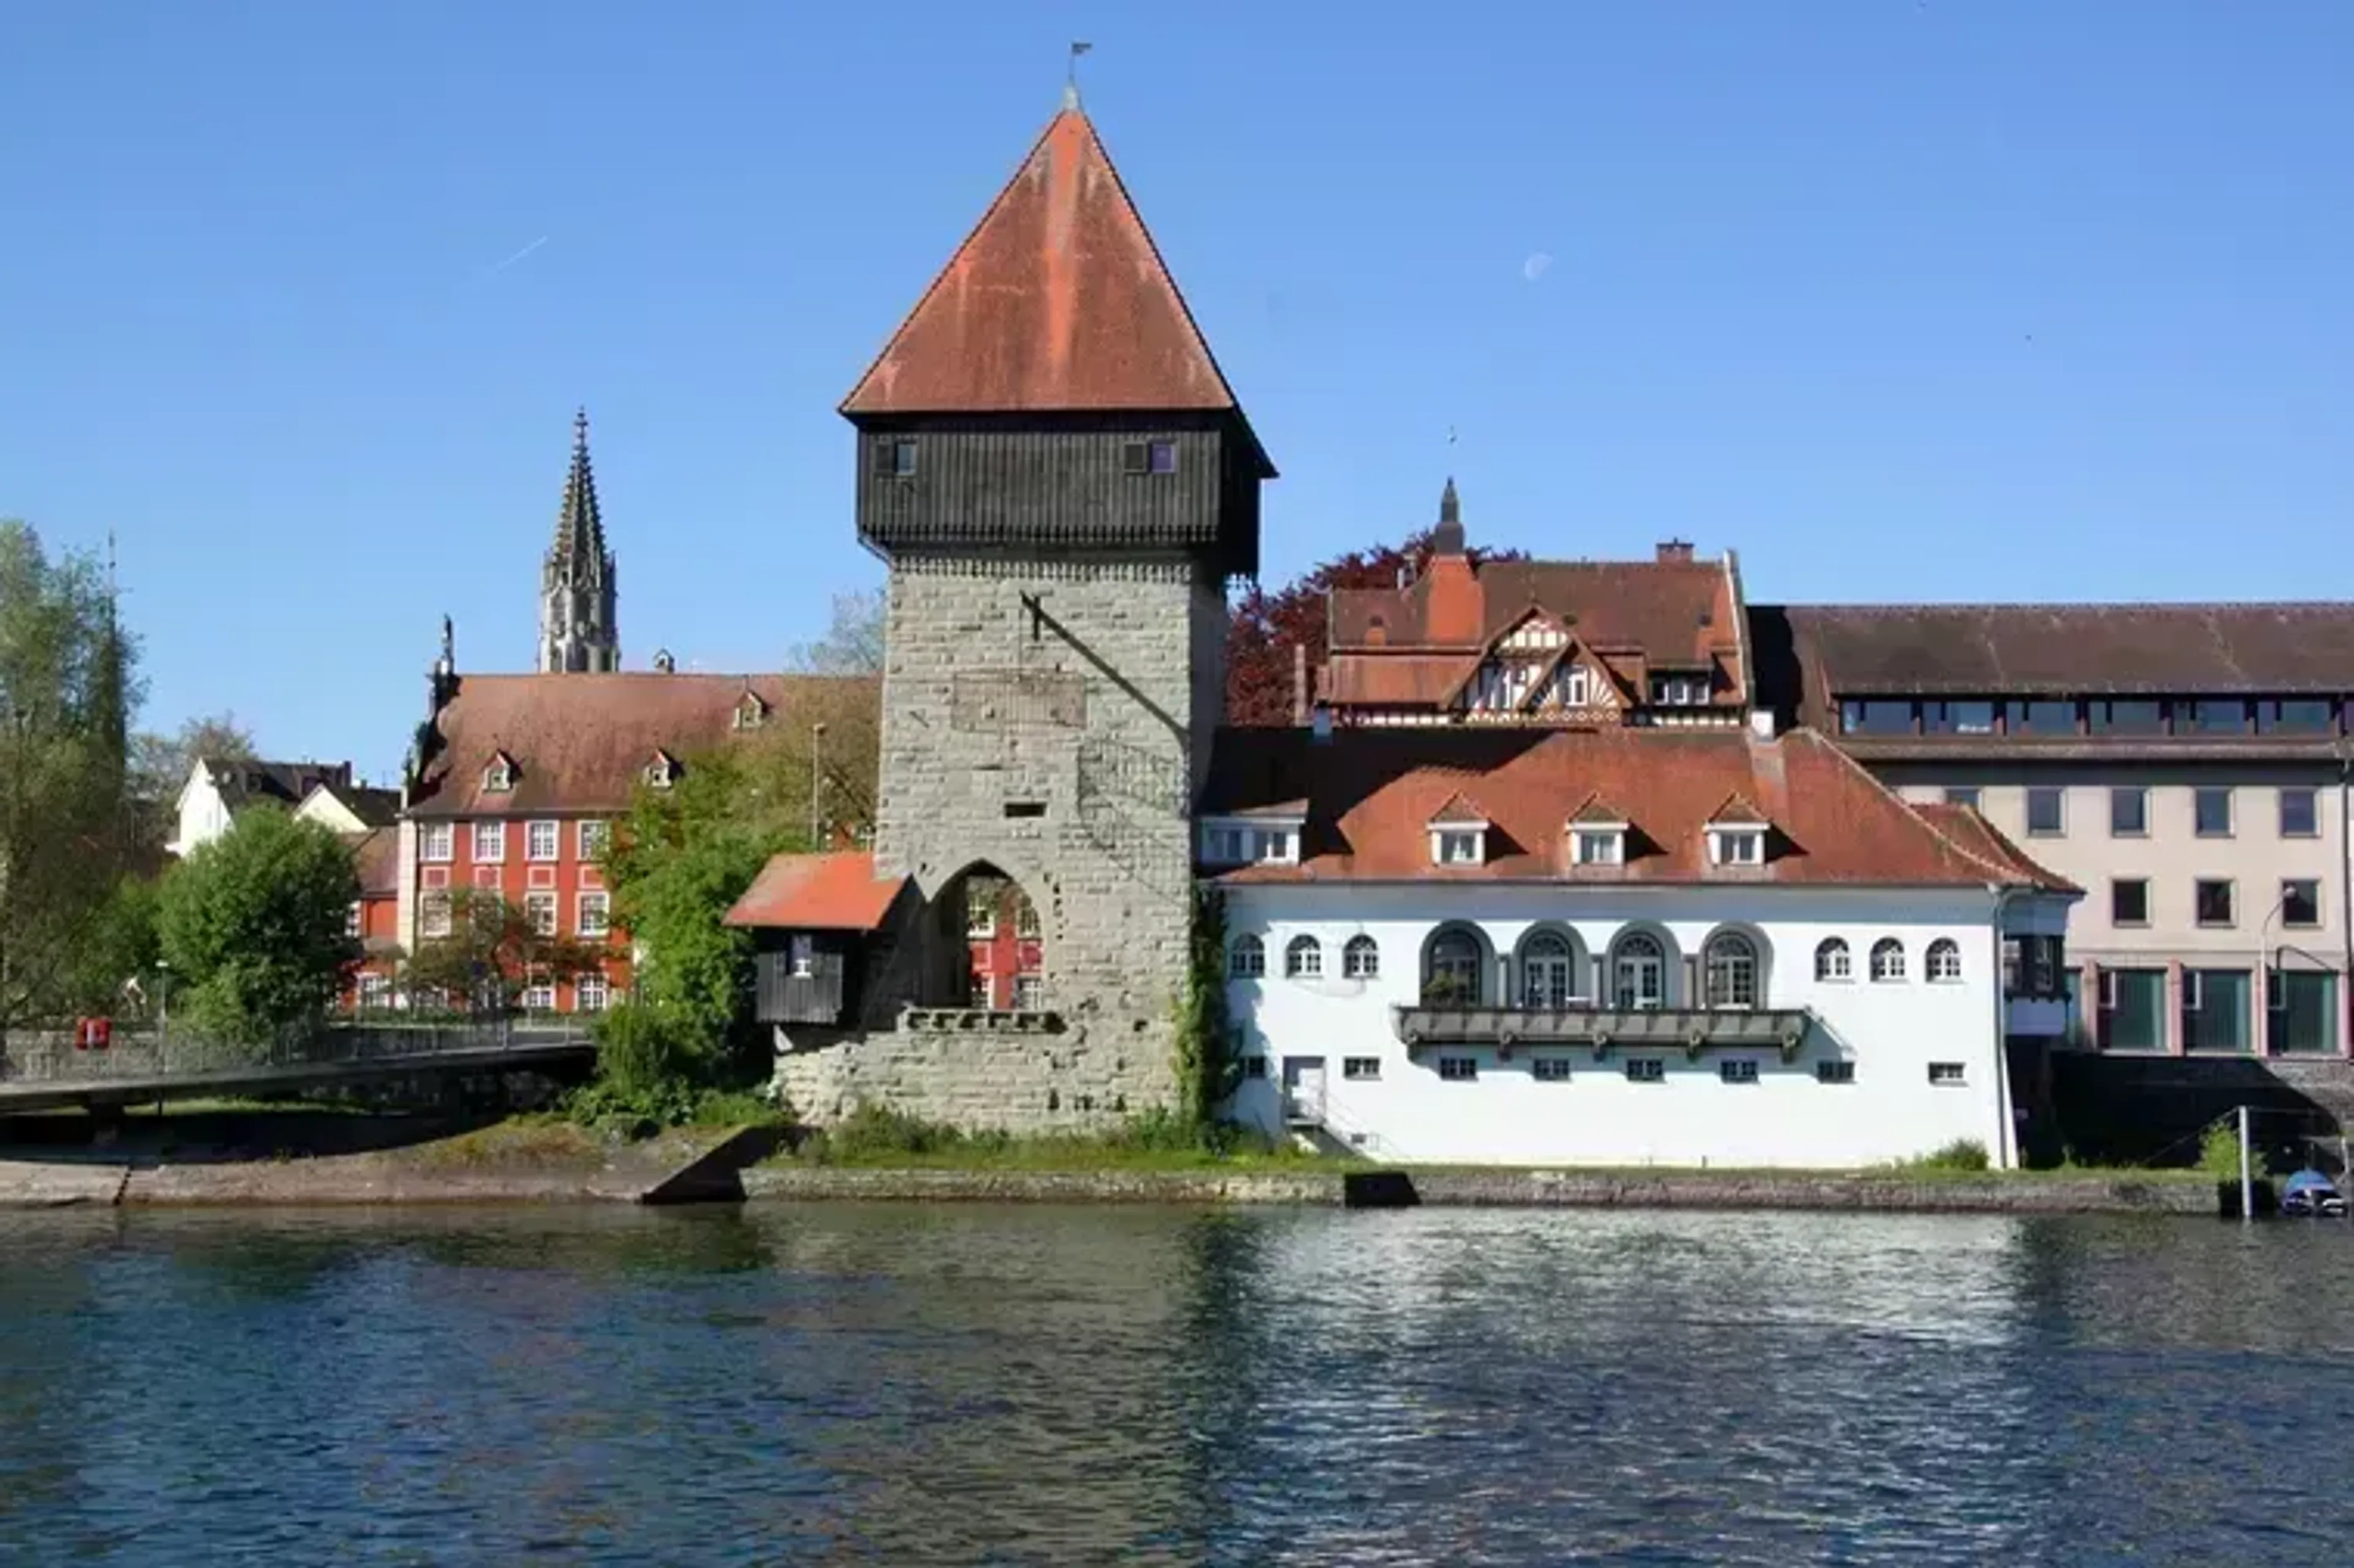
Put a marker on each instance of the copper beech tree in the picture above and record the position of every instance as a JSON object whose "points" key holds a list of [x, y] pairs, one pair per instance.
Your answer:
{"points": [[1266, 626]]}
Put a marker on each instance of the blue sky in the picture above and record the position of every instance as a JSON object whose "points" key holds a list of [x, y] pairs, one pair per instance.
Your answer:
{"points": [[1958, 300]]}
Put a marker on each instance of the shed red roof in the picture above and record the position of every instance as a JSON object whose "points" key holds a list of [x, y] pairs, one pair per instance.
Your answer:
{"points": [[581, 741], [818, 893], [1058, 301], [1373, 793]]}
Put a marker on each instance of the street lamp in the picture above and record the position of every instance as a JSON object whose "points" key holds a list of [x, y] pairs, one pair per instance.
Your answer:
{"points": [[817, 778], [163, 1005]]}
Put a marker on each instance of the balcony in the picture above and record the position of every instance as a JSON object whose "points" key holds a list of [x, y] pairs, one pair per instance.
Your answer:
{"points": [[1689, 1029]]}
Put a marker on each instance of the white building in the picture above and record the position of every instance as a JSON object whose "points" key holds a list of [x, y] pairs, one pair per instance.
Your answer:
{"points": [[1621, 948], [218, 789]]}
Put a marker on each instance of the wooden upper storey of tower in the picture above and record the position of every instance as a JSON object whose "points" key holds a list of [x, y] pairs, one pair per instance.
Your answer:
{"points": [[1051, 387]]}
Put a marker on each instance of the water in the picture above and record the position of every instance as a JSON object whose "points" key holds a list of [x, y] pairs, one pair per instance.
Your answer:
{"points": [[965, 1384]]}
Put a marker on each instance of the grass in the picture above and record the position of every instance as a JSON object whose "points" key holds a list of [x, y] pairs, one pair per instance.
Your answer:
{"points": [[874, 1139], [532, 1140]]}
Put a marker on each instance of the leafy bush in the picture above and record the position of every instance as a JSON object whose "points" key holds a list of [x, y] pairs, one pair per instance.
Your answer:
{"points": [[641, 1051], [2218, 1151], [1962, 1154]]}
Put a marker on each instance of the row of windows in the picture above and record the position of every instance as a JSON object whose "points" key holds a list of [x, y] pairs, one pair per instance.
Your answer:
{"points": [[2215, 901], [896, 457], [592, 914], [487, 842], [590, 993], [1637, 1070], [2147, 717], [1634, 976], [2215, 1011], [2212, 816]]}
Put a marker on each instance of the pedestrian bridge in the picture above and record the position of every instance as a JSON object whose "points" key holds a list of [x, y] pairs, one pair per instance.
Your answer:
{"points": [[142, 1070]]}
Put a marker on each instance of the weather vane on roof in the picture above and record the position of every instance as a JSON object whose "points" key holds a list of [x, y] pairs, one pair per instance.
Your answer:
{"points": [[1071, 75]]}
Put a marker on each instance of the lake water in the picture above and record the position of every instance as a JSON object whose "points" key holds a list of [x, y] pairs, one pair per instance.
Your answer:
{"points": [[972, 1384]]}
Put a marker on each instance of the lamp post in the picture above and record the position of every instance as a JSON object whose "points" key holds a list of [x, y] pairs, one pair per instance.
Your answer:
{"points": [[817, 780], [163, 1005]]}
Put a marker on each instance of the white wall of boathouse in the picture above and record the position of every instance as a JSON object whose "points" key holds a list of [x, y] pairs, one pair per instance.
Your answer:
{"points": [[1395, 1105]]}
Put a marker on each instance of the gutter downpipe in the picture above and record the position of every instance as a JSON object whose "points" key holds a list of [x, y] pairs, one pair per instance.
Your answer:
{"points": [[2006, 1113]]}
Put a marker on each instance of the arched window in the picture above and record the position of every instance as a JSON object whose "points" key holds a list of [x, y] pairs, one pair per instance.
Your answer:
{"points": [[1248, 958], [1832, 961], [1548, 970], [1302, 959], [1454, 969], [1731, 970], [1944, 960], [1361, 958], [1639, 971], [1888, 960]]}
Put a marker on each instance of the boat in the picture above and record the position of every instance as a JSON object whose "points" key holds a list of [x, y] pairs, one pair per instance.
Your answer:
{"points": [[2311, 1194]]}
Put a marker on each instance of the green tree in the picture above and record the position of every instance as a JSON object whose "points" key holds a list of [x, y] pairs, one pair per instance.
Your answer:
{"points": [[115, 968], [681, 858], [67, 681], [492, 953], [253, 925]]}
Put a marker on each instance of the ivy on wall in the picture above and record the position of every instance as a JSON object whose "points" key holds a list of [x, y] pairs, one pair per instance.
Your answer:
{"points": [[1208, 1068]]}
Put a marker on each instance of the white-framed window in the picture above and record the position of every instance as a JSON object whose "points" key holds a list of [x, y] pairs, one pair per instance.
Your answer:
{"points": [[1029, 994], [1303, 959], [437, 843], [1574, 685], [594, 915], [979, 913], [538, 997], [1887, 959], [803, 954], [352, 919], [1833, 962], [750, 711], [498, 778], [1455, 846], [1737, 846], [1246, 959], [1601, 844], [1250, 844], [433, 915], [490, 844], [595, 838], [590, 993], [1026, 920], [375, 988], [661, 773], [1361, 959], [1944, 962], [539, 908], [1730, 970], [1680, 691], [541, 840], [1361, 1069]]}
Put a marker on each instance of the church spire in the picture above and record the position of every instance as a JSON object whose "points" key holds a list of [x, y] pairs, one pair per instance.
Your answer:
{"points": [[578, 630]]}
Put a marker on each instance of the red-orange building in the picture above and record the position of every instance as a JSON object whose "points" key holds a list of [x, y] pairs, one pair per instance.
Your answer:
{"points": [[522, 778]]}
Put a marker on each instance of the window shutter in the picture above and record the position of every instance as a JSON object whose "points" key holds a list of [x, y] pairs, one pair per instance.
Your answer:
{"points": [[886, 457], [1135, 457]]}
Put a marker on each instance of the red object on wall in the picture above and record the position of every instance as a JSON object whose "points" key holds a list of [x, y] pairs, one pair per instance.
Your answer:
{"points": [[1005, 950], [93, 1034]]}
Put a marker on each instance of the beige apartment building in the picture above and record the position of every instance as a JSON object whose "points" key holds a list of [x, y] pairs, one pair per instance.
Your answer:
{"points": [[2187, 765]]}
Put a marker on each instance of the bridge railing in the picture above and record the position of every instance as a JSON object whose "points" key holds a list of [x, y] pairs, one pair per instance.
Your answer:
{"points": [[178, 1055]]}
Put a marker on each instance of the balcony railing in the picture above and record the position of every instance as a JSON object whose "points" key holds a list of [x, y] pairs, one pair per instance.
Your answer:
{"points": [[1690, 1029]]}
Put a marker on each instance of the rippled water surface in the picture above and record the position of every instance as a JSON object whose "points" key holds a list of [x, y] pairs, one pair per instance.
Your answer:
{"points": [[964, 1385]]}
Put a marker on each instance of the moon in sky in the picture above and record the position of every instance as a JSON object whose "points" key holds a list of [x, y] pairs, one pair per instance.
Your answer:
{"points": [[1534, 266]]}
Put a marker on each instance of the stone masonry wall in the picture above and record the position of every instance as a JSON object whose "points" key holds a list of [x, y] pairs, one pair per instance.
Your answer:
{"points": [[1060, 747]]}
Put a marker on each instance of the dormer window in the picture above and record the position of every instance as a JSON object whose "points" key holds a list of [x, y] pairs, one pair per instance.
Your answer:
{"points": [[1680, 691], [1599, 844], [1457, 845], [1736, 844], [662, 772], [751, 712], [499, 777], [1251, 843]]}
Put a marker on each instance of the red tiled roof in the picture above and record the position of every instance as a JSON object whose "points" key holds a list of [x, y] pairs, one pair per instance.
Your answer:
{"points": [[375, 857], [1415, 646], [1967, 827], [835, 892], [1738, 809], [1057, 301], [1373, 793], [581, 741]]}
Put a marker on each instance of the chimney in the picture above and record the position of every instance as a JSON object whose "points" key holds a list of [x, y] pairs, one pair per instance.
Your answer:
{"points": [[1300, 682], [1675, 551]]}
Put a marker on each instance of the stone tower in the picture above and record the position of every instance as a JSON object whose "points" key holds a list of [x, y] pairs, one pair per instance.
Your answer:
{"points": [[1062, 483], [578, 630]]}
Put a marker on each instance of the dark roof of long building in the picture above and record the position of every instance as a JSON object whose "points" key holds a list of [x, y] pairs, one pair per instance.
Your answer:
{"points": [[2091, 650], [242, 781], [1058, 301]]}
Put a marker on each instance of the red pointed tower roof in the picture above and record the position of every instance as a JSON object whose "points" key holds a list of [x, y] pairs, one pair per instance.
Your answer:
{"points": [[1058, 301]]}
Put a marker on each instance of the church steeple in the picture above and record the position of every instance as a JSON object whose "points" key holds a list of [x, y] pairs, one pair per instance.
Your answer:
{"points": [[578, 629]]}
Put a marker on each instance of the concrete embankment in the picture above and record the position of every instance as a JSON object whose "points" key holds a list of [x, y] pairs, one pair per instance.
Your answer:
{"points": [[2019, 1195]]}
